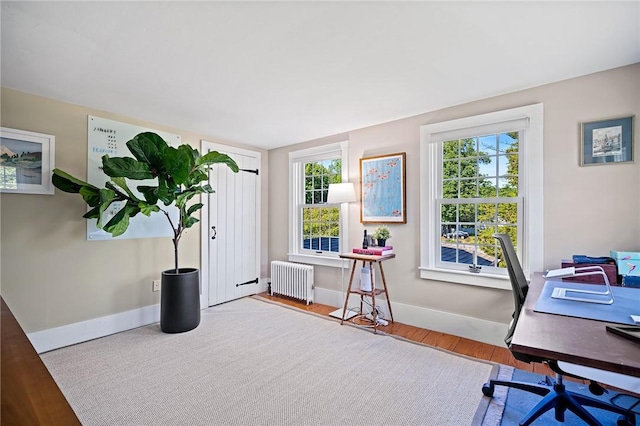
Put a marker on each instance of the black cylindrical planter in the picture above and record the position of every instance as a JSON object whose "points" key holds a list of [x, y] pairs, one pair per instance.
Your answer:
{"points": [[180, 300]]}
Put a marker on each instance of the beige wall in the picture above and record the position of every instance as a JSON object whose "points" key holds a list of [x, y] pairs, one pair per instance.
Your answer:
{"points": [[51, 275], [588, 210]]}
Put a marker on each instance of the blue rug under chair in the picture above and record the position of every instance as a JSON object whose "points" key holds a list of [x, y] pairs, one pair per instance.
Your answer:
{"points": [[518, 403]]}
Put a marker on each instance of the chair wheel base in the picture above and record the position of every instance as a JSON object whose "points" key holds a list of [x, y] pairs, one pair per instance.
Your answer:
{"points": [[624, 421], [487, 390]]}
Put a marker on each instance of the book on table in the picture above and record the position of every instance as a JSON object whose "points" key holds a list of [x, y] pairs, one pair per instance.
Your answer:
{"points": [[374, 251]]}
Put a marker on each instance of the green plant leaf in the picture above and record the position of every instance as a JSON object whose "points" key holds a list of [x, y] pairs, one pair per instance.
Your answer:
{"points": [[107, 196], [214, 157], [120, 222], [189, 222], [197, 176], [67, 183], [150, 193], [91, 195], [182, 198], [207, 188], [125, 167], [94, 213], [148, 148], [177, 164], [122, 184], [147, 209], [166, 192], [194, 208], [190, 153]]}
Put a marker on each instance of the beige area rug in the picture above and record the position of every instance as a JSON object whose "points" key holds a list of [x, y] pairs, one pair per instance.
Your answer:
{"points": [[251, 362]]}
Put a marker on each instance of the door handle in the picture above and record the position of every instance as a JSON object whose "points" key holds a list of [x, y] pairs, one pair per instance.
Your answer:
{"points": [[215, 233]]}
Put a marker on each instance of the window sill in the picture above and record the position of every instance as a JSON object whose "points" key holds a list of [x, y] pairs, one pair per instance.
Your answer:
{"points": [[481, 280], [334, 262]]}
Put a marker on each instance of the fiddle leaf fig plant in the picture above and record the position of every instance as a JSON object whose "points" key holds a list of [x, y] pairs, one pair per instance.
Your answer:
{"points": [[181, 174]]}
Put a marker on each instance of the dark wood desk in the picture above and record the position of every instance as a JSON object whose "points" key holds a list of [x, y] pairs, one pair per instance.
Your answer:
{"points": [[576, 340], [30, 396]]}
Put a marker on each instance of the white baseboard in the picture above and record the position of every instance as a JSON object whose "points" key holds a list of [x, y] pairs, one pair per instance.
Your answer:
{"points": [[58, 337], [445, 322]]}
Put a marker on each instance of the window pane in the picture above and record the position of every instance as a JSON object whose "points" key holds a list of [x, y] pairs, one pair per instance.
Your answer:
{"points": [[486, 212], [489, 144], [468, 188], [454, 253], [468, 147], [318, 176], [469, 229], [484, 234], [450, 189], [450, 169], [488, 166], [507, 213], [479, 167], [487, 188], [513, 164], [487, 255], [467, 213], [321, 228], [469, 168], [508, 187], [449, 213], [449, 253], [508, 165], [508, 142], [450, 149]]}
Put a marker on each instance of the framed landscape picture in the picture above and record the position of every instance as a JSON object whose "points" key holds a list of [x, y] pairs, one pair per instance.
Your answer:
{"points": [[26, 162], [382, 189], [607, 141]]}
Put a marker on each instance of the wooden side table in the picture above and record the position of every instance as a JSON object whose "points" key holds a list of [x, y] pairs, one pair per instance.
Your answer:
{"points": [[374, 291]]}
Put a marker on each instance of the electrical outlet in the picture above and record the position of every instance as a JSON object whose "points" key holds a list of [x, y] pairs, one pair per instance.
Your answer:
{"points": [[156, 285]]}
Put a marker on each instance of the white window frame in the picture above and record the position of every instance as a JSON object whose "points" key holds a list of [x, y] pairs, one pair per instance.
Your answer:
{"points": [[531, 244], [296, 199]]}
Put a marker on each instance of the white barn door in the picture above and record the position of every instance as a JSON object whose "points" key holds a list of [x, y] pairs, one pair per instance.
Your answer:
{"points": [[233, 227]]}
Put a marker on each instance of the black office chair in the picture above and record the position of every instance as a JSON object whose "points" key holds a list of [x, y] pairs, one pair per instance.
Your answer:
{"points": [[554, 392]]}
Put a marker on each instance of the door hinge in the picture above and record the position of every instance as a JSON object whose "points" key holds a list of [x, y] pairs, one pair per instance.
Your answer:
{"points": [[248, 282]]}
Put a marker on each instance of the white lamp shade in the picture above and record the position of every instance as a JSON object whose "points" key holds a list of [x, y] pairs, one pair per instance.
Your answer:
{"points": [[341, 193]]}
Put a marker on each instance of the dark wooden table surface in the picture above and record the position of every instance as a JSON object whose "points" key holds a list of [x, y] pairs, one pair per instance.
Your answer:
{"points": [[30, 396], [576, 340]]}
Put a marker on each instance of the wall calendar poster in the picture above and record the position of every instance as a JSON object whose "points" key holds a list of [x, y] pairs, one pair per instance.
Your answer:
{"points": [[110, 137]]}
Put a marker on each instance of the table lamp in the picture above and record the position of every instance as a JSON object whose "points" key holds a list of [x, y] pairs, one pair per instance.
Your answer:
{"points": [[562, 293], [341, 193]]}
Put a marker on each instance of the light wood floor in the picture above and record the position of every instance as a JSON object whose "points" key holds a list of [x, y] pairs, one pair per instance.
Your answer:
{"points": [[449, 342]]}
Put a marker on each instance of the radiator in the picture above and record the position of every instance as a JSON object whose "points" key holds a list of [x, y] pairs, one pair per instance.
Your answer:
{"points": [[292, 279]]}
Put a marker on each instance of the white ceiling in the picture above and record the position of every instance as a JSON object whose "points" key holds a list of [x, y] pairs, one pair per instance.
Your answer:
{"points": [[269, 74]]}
